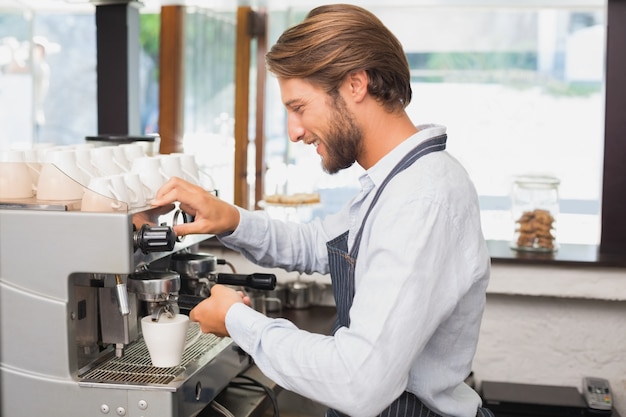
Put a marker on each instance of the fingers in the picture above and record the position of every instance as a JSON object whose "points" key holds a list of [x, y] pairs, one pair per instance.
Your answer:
{"points": [[173, 190], [193, 315], [211, 312], [244, 297], [211, 215], [188, 229]]}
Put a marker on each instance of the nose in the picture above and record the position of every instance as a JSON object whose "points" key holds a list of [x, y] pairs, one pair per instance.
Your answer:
{"points": [[294, 128]]}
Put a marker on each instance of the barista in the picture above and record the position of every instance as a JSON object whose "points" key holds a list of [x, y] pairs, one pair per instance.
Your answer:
{"points": [[407, 259]]}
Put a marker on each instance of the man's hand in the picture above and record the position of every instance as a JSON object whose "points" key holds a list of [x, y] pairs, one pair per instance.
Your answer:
{"points": [[211, 215], [211, 313]]}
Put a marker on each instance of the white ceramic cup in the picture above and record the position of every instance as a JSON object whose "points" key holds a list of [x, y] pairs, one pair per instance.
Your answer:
{"points": [[166, 339], [132, 151], [191, 172], [15, 180], [65, 160], [94, 202], [42, 149], [34, 166], [119, 154], [120, 189], [171, 166], [149, 170], [83, 162], [56, 185], [101, 196], [136, 189], [105, 162], [12, 155]]}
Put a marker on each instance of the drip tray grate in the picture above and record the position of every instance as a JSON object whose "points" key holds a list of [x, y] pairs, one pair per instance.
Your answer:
{"points": [[135, 367]]}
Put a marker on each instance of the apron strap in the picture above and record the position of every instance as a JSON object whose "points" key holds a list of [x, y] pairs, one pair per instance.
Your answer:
{"points": [[438, 143]]}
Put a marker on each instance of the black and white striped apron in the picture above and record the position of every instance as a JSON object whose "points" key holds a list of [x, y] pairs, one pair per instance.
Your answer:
{"points": [[342, 264]]}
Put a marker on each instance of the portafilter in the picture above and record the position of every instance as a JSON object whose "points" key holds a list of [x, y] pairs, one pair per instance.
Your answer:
{"points": [[197, 272]]}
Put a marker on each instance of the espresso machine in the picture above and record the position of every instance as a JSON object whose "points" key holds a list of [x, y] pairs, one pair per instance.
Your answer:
{"points": [[74, 286]]}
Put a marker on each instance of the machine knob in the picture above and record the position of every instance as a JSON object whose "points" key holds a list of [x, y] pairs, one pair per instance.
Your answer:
{"points": [[155, 238]]}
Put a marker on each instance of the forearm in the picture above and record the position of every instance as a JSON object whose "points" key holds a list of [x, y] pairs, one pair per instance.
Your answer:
{"points": [[273, 243], [326, 369]]}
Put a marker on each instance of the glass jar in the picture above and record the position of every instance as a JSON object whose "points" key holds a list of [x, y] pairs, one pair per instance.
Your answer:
{"points": [[535, 208]]}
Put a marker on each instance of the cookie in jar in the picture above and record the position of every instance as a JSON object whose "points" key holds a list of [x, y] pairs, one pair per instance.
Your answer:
{"points": [[535, 207]]}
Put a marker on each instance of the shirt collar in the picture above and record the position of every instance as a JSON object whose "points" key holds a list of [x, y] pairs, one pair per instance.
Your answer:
{"points": [[377, 173]]}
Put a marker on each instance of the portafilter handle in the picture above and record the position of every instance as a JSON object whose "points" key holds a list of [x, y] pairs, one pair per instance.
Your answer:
{"points": [[155, 238], [256, 281]]}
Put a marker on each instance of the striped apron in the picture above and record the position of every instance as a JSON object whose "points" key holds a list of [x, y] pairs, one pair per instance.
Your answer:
{"points": [[342, 264]]}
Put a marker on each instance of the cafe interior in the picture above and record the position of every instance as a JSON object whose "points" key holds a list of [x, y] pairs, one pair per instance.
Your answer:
{"points": [[534, 100]]}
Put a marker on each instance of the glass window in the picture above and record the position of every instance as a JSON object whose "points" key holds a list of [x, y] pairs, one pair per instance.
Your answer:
{"points": [[520, 88], [48, 90], [210, 95], [47, 77]]}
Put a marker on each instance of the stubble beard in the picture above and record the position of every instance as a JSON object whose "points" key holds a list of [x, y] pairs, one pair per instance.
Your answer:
{"points": [[344, 139]]}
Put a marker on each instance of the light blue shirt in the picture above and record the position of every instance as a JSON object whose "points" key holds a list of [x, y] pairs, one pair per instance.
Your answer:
{"points": [[420, 279]]}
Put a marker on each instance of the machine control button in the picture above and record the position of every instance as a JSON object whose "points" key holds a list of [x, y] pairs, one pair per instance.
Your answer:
{"points": [[121, 411], [104, 409], [143, 404]]}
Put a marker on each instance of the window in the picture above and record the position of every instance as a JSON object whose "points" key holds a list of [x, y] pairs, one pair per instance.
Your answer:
{"points": [[520, 88], [48, 89], [210, 94], [47, 77]]}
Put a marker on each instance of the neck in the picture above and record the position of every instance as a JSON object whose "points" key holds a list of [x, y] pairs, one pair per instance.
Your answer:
{"points": [[382, 132]]}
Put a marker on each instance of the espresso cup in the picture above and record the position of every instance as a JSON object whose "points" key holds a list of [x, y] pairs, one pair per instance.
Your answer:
{"points": [[56, 185], [12, 155], [133, 151], [103, 158], [83, 162], [136, 190], [119, 154], [149, 170], [65, 160], [32, 161], [166, 338], [170, 166], [101, 196], [120, 188], [15, 180], [191, 172]]}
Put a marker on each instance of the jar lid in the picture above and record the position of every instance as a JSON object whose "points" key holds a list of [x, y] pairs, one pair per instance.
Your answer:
{"points": [[537, 181]]}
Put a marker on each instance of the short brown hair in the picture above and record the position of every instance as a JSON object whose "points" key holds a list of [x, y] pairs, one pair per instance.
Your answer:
{"points": [[336, 40]]}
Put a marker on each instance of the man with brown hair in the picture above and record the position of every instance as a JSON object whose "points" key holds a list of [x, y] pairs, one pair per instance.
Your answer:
{"points": [[407, 258]]}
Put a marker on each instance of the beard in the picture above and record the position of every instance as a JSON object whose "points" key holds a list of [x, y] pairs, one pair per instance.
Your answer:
{"points": [[344, 138]]}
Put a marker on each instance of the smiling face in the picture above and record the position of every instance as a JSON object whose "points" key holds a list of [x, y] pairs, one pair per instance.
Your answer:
{"points": [[319, 119]]}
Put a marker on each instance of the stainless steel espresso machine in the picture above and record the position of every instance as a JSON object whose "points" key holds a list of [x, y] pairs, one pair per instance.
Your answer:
{"points": [[73, 287]]}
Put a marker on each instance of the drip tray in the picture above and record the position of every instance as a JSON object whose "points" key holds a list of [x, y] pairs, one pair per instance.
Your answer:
{"points": [[135, 367]]}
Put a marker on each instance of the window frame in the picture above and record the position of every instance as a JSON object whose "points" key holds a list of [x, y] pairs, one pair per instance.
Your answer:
{"points": [[613, 221]]}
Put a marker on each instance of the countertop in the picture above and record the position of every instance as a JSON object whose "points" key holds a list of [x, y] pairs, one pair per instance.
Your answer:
{"points": [[254, 402]]}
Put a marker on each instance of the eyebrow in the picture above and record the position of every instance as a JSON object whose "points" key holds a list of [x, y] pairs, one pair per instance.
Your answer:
{"points": [[290, 103]]}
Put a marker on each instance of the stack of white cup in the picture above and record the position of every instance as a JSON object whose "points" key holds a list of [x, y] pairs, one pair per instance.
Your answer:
{"points": [[104, 178]]}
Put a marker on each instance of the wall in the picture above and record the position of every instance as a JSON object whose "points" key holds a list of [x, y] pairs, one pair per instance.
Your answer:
{"points": [[554, 325], [542, 325]]}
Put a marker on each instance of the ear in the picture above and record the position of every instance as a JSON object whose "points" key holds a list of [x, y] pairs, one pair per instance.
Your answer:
{"points": [[357, 85]]}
